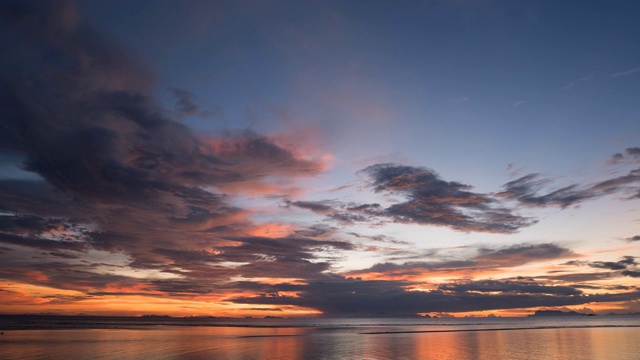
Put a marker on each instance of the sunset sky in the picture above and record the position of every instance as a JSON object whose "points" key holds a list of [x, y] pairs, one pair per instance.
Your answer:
{"points": [[299, 158]]}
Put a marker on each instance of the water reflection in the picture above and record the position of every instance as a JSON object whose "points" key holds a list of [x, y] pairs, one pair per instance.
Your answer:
{"points": [[236, 343]]}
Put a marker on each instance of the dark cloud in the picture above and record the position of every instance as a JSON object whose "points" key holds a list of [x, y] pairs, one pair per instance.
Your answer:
{"points": [[626, 263], [485, 260], [318, 230], [433, 201], [509, 286], [633, 152], [430, 200], [414, 268], [341, 212], [348, 218], [631, 273], [580, 277], [186, 105], [117, 174], [258, 155], [521, 254], [621, 264], [615, 159], [288, 257], [64, 255], [35, 225], [608, 265], [43, 244], [366, 208], [628, 260], [527, 189], [380, 238], [320, 207], [351, 297], [634, 238]]}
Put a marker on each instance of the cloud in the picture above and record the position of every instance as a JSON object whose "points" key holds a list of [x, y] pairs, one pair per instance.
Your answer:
{"points": [[485, 261], [127, 201], [634, 238], [571, 83], [631, 273], [352, 297], [252, 162], [608, 265], [434, 201], [626, 263], [461, 100], [520, 254], [117, 175], [615, 159], [568, 85], [380, 238], [579, 277], [632, 152], [320, 207], [390, 270], [508, 286], [527, 188], [186, 106], [42, 244], [625, 73]]}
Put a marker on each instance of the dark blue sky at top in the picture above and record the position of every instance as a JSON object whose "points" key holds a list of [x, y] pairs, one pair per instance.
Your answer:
{"points": [[512, 61]]}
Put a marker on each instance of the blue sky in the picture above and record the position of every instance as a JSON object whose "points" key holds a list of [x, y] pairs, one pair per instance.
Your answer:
{"points": [[508, 82], [412, 144]]}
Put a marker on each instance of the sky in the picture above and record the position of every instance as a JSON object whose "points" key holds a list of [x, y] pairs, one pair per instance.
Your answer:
{"points": [[319, 158]]}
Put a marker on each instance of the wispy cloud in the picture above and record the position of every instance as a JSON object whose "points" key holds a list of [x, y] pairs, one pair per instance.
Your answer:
{"points": [[626, 266], [626, 73], [519, 102], [461, 100], [527, 189], [571, 83], [486, 261]]}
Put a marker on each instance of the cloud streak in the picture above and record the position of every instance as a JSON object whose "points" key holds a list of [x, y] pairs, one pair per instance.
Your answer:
{"points": [[487, 260], [626, 73], [527, 190]]}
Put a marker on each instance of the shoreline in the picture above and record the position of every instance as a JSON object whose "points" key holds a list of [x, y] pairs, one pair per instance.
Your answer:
{"points": [[370, 326]]}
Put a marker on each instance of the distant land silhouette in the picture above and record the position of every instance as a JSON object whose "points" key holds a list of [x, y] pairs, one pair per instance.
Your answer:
{"points": [[542, 313]]}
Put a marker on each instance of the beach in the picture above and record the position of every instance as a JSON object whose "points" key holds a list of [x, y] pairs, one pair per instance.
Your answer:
{"points": [[514, 338]]}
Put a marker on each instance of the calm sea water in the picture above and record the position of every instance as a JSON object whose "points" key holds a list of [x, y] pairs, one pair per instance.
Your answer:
{"points": [[514, 338]]}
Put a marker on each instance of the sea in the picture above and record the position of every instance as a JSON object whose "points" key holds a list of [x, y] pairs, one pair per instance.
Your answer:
{"points": [[558, 337]]}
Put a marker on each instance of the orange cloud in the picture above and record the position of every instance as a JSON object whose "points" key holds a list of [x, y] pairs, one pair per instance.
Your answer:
{"points": [[271, 230]]}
